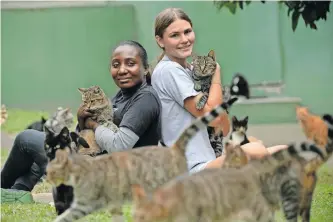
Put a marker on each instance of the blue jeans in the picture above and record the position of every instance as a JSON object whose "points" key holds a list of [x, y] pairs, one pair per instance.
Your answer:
{"points": [[26, 162]]}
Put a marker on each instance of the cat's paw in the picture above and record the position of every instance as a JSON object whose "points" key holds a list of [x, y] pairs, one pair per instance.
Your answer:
{"points": [[197, 87], [199, 106]]}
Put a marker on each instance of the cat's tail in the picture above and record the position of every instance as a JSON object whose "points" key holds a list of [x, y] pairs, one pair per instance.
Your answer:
{"points": [[201, 122], [293, 151], [316, 162]]}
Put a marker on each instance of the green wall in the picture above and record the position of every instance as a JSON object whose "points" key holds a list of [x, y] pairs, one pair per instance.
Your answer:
{"points": [[48, 53], [240, 41], [308, 62]]}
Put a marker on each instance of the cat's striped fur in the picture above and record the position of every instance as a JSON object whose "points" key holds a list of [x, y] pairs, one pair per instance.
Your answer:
{"points": [[251, 193], [106, 180], [95, 100]]}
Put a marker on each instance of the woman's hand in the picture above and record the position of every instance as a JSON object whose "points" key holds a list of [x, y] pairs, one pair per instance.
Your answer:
{"points": [[82, 115], [217, 75], [89, 123]]}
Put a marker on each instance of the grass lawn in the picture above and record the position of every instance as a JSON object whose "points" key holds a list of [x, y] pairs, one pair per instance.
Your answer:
{"points": [[322, 206]]}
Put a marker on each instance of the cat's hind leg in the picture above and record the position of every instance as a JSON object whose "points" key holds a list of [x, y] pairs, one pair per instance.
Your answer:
{"points": [[202, 101], [117, 213], [290, 200]]}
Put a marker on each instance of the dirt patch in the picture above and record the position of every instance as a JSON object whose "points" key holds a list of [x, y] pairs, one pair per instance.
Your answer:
{"points": [[7, 140]]}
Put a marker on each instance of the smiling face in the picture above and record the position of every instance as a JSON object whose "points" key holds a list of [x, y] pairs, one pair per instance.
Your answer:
{"points": [[177, 40], [126, 66]]}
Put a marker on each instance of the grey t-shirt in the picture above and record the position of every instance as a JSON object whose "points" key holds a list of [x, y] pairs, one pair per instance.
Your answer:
{"points": [[173, 85]]}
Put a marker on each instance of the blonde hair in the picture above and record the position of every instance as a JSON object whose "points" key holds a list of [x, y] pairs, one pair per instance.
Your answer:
{"points": [[165, 18]]}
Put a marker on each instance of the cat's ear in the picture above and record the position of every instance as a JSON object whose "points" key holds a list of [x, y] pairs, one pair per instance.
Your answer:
{"points": [[246, 119], [43, 119], [228, 146], [194, 55], [83, 142], [234, 119], [82, 90], [64, 132], [48, 132], [67, 110], [138, 193], [212, 54]]}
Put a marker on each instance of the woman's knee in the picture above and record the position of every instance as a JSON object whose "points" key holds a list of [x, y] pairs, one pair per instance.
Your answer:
{"points": [[255, 149], [276, 148], [30, 139]]}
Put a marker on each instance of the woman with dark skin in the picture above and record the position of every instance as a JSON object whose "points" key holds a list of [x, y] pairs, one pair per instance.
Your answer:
{"points": [[136, 105]]}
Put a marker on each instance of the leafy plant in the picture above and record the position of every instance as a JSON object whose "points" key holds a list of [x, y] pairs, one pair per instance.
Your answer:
{"points": [[311, 11]]}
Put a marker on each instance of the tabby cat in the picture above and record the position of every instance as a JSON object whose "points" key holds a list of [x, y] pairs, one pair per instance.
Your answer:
{"points": [[94, 99], [203, 70], [106, 180], [238, 133], [313, 126], [4, 114], [251, 193]]}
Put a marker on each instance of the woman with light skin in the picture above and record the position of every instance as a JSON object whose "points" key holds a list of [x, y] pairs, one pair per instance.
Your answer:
{"points": [[172, 81]]}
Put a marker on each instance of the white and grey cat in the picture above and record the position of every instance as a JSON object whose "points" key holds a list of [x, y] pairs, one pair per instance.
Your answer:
{"points": [[61, 118], [238, 134]]}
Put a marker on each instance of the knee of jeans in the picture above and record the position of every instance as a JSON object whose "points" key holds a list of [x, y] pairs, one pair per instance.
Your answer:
{"points": [[29, 138]]}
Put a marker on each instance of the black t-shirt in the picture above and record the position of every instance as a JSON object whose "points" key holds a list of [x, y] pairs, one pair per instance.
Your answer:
{"points": [[139, 110]]}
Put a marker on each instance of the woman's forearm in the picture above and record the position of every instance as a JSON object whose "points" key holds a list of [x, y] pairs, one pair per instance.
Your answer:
{"points": [[110, 141], [217, 163]]}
